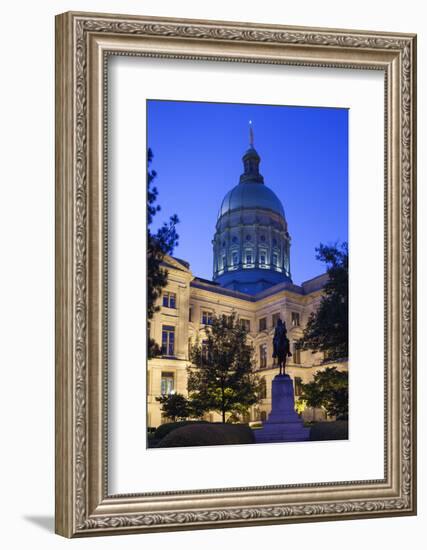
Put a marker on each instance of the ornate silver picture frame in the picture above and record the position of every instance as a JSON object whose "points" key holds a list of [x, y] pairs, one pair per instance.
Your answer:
{"points": [[84, 43]]}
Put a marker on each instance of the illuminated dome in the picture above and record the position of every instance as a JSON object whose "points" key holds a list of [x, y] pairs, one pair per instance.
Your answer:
{"points": [[251, 195], [251, 243]]}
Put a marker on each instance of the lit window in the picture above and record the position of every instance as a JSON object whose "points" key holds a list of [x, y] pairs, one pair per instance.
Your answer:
{"points": [[204, 350], [298, 386], [263, 356], [207, 317], [263, 389], [167, 384], [168, 340], [263, 324], [296, 354], [246, 324], [274, 319], [169, 299], [228, 319], [295, 319]]}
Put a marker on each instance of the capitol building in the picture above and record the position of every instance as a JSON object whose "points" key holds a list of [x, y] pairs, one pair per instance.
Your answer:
{"points": [[251, 277]]}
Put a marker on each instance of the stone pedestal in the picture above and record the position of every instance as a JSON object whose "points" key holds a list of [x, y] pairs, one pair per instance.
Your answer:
{"points": [[283, 423]]}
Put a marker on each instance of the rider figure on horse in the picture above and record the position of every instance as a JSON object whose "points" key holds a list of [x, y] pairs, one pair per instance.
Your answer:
{"points": [[281, 345]]}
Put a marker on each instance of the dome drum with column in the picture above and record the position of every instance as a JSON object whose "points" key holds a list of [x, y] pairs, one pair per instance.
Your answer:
{"points": [[251, 244]]}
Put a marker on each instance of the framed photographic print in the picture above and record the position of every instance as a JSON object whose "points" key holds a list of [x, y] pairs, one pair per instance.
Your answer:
{"points": [[235, 274]]}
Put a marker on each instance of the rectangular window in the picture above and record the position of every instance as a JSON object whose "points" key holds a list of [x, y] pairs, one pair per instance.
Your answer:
{"points": [[246, 324], [248, 257], [235, 258], [295, 319], [190, 314], [224, 262], [298, 386], [167, 384], [262, 259], [168, 340], [263, 356], [169, 299], [275, 260], [204, 350], [274, 319], [228, 318], [296, 354], [263, 388], [263, 324], [207, 317]]}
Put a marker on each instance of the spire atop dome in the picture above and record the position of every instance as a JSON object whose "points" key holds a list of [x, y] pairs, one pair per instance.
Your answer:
{"points": [[251, 161], [251, 134]]}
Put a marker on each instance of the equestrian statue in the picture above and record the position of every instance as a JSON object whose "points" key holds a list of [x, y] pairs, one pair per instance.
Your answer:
{"points": [[281, 346]]}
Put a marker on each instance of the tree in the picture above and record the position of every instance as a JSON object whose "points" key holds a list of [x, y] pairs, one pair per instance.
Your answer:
{"points": [[174, 406], [162, 242], [329, 390], [224, 378], [327, 328]]}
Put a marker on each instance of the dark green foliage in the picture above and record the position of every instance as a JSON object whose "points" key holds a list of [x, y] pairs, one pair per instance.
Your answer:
{"points": [[224, 380], [328, 431], [164, 429], [174, 406], [208, 434], [329, 390], [158, 244], [327, 328]]}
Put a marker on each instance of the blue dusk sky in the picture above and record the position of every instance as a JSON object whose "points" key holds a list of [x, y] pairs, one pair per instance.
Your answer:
{"points": [[198, 149]]}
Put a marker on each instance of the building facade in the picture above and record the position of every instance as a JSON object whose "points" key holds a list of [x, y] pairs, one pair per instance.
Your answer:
{"points": [[252, 278]]}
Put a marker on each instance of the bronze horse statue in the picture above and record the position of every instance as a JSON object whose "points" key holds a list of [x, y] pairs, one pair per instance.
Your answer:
{"points": [[281, 346]]}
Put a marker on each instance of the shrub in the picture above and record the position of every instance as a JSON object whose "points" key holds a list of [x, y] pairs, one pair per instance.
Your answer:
{"points": [[175, 406], [327, 431], [165, 429], [208, 434]]}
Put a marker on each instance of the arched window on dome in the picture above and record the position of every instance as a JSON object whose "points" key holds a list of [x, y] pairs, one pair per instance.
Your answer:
{"points": [[249, 257], [275, 259], [286, 262]]}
